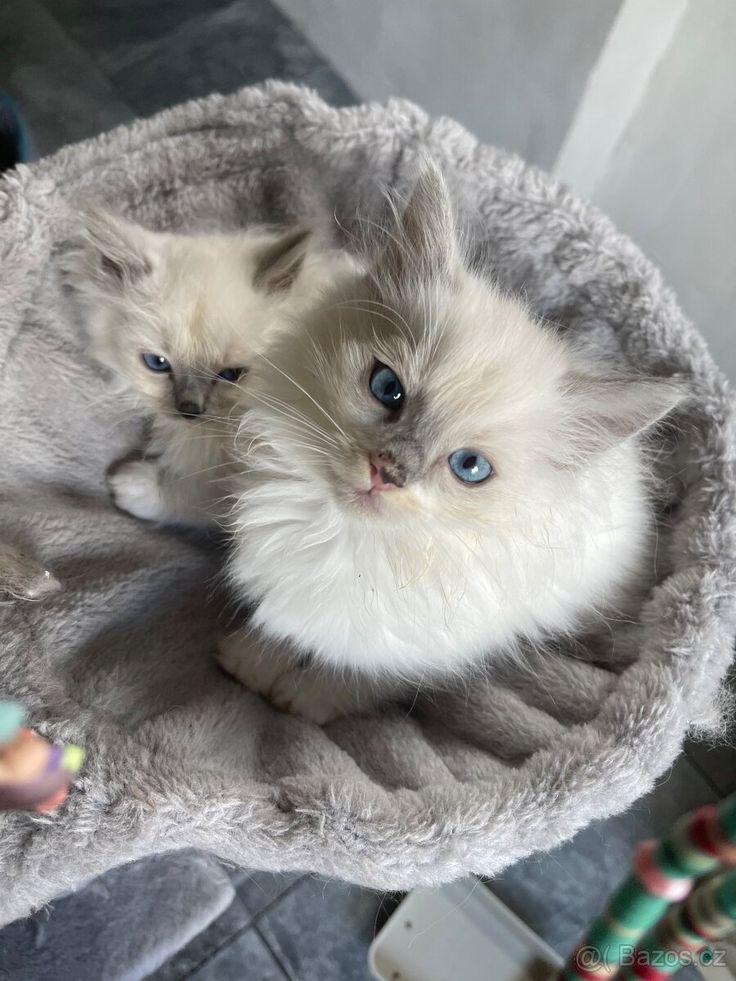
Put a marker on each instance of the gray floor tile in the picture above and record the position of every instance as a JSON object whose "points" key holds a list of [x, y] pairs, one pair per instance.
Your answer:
{"points": [[105, 25], [247, 958], [717, 763], [159, 55], [321, 930], [223, 931], [558, 893], [717, 759], [63, 95], [258, 890], [78, 68]]}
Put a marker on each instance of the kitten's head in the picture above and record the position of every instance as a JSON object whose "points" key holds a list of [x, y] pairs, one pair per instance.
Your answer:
{"points": [[178, 317], [419, 397]]}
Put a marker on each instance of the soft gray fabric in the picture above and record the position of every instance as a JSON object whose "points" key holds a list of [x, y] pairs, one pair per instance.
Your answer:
{"points": [[121, 659], [121, 926]]}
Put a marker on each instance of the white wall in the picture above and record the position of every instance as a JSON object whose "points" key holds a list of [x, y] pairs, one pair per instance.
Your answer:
{"points": [[635, 100], [669, 179], [510, 70]]}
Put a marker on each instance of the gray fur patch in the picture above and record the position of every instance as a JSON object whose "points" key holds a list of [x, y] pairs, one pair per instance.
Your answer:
{"points": [[192, 388]]}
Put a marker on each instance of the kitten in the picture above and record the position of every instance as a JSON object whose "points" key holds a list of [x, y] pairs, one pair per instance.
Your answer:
{"points": [[428, 475], [179, 320]]}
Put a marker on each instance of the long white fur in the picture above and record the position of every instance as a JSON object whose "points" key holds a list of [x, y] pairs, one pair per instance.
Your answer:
{"points": [[424, 581]]}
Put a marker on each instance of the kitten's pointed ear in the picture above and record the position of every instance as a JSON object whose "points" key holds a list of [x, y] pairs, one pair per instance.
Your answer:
{"points": [[280, 262], [424, 245], [601, 413], [117, 251]]}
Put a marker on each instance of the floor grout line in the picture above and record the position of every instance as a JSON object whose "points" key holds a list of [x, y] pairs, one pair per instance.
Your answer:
{"points": [[252, 924], [279, 963], [274, 902], [703, 774], [217, 950]]}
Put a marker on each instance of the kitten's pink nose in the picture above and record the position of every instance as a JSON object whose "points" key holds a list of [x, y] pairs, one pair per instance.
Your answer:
{"points": [[383, 476]]}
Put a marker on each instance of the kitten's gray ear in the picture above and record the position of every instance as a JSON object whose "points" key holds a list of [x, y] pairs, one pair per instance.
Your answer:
{"points": [[603, 412], [117, 251], [424, 245], [280, 262]]}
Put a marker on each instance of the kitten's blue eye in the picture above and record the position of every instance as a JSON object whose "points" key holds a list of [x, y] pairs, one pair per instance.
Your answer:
{"points": [[156, 362], [231, 374], [469, 466], [386, 387]]}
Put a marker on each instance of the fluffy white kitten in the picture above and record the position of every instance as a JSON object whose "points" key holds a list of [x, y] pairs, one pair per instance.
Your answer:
{"points": [[427, 476], [179, 319]]}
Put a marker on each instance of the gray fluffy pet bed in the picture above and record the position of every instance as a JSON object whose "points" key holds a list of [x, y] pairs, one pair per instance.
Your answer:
{"points": [[120, 660]]}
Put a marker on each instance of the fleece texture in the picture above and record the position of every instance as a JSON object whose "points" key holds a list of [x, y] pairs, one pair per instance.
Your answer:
{"points": [[121, 659]]}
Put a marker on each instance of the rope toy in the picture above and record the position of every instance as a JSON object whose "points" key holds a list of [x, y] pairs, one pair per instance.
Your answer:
{"points": [[640, 935]]}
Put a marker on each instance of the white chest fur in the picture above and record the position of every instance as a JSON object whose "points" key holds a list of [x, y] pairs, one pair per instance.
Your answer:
{"points": [[369, 598]]}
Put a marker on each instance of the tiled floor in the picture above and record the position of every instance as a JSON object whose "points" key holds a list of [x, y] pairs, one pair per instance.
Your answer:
{"points": [[81, 66], [304, 929], [78, 67]]}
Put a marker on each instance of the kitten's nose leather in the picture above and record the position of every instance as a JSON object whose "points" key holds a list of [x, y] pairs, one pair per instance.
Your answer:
{"points": [[385, 474], [190, 410]]}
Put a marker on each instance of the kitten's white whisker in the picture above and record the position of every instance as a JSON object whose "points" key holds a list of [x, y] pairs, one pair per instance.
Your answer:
{"points": [[397, 321], [199, 473], [287, 411], [383, 316], [391, 309], [305, 392]]}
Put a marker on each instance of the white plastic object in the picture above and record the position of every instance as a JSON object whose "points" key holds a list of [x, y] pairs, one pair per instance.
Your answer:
{"points": [[460, 932]]}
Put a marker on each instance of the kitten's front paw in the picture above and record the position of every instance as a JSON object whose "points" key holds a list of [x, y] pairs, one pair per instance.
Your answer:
{"points": [[307, 694], [135, 488], [236, 656], [296, 690]]}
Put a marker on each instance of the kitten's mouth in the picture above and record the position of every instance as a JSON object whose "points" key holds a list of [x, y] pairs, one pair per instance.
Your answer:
{"points": [[374, 489], [373, 496], [369, 501]]}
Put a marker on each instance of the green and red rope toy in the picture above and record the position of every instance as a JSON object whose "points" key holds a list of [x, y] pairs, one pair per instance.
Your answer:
{"points": [[662, 910]]}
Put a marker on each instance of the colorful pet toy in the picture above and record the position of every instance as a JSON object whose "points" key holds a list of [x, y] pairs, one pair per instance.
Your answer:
{"points": [[679, 899], [34, 774]]}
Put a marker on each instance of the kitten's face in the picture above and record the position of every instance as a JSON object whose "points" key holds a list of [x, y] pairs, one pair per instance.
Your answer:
{"points": [[177, 317], [180, 340], [421, 397], [440, 406]]}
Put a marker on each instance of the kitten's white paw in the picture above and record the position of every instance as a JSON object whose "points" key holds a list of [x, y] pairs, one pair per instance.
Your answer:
{"points": [[135, 488], [257, 672], [302, 692], [296, 690]]}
